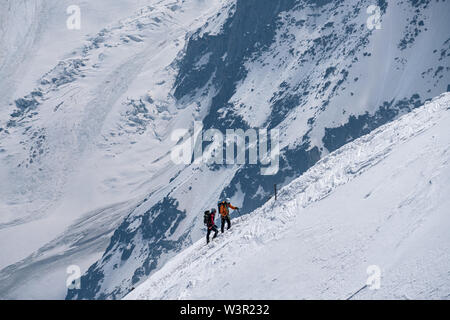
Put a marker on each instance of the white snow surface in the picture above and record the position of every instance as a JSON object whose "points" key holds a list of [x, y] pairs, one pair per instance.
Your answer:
{"points": [[90, 156], [381, 201], [93, 161], [62, 197]]}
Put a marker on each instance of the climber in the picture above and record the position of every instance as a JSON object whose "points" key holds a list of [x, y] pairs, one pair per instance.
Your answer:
{"points": [[225, 213], [208, 219]]}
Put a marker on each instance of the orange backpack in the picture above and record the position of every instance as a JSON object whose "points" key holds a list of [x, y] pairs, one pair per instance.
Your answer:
{"points": [[223, 208]]}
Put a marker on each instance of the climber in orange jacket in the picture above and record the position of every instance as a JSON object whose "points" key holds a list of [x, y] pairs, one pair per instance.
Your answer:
{"points": [[224, 211]]}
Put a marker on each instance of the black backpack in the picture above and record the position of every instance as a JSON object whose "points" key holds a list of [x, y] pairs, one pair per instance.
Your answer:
{"points": [[206, 217]]}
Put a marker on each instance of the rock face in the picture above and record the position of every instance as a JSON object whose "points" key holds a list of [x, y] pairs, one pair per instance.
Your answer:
{"points": [[323, 73], [159, 221]]}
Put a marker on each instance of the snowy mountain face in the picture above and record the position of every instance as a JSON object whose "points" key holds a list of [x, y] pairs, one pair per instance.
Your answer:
{"points": [[376, 207], [85, 145]]}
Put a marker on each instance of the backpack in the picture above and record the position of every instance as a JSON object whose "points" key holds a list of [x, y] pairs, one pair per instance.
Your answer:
{"points": [[222, 206], [206, 217]]}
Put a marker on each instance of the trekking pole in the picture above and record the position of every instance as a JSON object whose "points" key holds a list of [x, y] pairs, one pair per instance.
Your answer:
{"points": [[275, 191]]}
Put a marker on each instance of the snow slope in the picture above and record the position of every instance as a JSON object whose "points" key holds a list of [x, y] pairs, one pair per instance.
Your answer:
{"points": [[81, 244], [311, 69], [75, 142], [73, 145], [381, 200], [33, 35]]}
